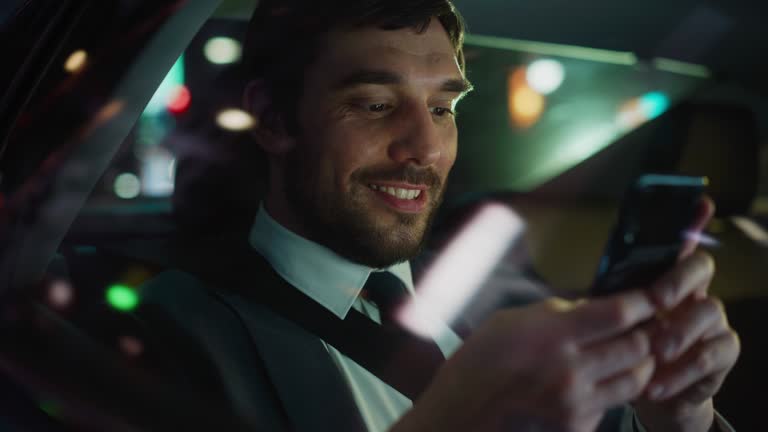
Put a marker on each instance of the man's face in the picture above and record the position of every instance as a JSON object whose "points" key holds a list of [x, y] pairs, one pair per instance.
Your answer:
{"points": [[378, 139]]}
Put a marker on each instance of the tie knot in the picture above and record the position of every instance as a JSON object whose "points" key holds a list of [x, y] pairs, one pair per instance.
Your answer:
{"points": [[386, 290]]}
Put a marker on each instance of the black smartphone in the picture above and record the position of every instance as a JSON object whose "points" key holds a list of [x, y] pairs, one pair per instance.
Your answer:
{"points": [[654, 220]]}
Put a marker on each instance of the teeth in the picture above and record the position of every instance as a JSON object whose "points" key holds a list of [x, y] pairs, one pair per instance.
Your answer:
{"points": [[403, 194]]}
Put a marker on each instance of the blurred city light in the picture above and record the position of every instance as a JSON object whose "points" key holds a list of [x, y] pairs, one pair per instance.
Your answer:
{"points": [[640, 110], [545, 75], [752, 229], [222, 50], [654, 104], [157, 172], [122, 298], [630, 115], [127, 186], [236, 120], [76, 61], [460, 270], [168, 89], [131, 346], [525, 104], [180, 99], [60, 294]]}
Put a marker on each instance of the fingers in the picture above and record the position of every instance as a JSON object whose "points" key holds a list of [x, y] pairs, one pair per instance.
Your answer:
{"points": [[706, 211], [692, 274], [605, 317], [624, 387], [705, 361], [606, 359], [687, 325]]}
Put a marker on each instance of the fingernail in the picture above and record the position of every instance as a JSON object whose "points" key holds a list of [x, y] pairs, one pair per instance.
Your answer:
{"points": [[656, 392]]}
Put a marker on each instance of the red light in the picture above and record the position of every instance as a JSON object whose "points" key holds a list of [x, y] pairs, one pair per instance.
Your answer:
{"points": [[181, 100]]}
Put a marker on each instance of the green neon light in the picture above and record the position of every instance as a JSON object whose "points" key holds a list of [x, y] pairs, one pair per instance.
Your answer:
{"points": [[550, 49], [122, 298], [681, 68]]}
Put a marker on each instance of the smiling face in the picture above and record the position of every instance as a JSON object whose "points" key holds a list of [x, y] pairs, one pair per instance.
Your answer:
{"points": [[377, 140]]}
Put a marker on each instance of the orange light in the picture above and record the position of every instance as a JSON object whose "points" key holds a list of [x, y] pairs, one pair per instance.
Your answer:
{"points": [[630, 115], [525, 105], [181, 100]]}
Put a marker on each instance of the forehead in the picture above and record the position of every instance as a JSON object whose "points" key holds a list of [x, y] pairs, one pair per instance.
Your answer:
{"points": [[427, 55]]}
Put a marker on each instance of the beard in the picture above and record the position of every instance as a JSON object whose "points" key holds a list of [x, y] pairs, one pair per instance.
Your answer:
{"points": [[347, 222]]}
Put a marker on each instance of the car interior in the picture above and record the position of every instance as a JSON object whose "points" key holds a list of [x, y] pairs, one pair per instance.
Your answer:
{"points": [[123, 139]]}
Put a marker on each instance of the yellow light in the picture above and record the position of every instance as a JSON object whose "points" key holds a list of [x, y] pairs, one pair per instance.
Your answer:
{"points": [[236, 120], [525, 104], [76, 61], [222, 50]]}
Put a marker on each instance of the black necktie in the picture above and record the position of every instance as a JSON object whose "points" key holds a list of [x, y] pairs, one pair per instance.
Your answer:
{"points": [[387, 291], [396, 356]]}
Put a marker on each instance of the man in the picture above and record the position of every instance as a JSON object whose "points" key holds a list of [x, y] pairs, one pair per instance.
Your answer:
{"points": [[356, 101]]}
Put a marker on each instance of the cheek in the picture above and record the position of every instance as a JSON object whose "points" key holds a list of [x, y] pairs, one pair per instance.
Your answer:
{"points": [[350, 151], [451, 149]]}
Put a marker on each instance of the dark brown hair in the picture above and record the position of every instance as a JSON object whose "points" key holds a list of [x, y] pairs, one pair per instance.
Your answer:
{"points": [[284, 36]]}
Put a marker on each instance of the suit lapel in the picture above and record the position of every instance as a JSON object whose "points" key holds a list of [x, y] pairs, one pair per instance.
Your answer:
{"points": [[307, 380]]}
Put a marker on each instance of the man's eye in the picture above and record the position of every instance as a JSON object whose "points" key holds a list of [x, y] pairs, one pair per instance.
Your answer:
{"points": [[378, 107], [442, 112]]}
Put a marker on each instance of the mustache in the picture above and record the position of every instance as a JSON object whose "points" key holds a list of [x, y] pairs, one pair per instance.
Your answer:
{"points": [[408, 174]]}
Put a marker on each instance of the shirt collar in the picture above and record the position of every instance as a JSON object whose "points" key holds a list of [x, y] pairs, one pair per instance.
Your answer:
{"points": [[328, 278]]}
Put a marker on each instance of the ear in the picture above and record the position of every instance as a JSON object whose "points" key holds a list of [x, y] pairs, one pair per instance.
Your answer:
{"points": [[270, 133]]}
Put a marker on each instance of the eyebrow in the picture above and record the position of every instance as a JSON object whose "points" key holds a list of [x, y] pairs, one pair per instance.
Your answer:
{"points": [[460, 86]]}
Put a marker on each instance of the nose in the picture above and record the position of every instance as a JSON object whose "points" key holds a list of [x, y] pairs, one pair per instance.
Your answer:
{"points": [[419, 140]]}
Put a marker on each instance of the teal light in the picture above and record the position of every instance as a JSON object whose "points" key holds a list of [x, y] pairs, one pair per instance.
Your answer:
{"points": [[166, 91], [122, 297], [654, 104]]}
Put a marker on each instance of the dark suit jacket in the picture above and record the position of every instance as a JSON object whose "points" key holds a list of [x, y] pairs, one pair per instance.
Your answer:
{"points": [[272, 372]]}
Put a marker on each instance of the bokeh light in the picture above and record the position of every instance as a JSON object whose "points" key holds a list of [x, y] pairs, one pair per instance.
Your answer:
{"points": [[222, 50], [122, 297], [236, 120], [76, 61], [526, 105], [654, 104], [60, 294], [156, 172], [545, 76], [168, 89], [180, 99], [127, 186], [131, 346], [638, 111]]}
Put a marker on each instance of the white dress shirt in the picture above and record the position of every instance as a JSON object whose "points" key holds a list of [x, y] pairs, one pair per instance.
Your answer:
{"points": [[335, 283]]}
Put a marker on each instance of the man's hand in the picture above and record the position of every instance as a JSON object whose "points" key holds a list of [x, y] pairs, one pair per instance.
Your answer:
{"points": [[693, 343], [557, 366], [694, 346]]}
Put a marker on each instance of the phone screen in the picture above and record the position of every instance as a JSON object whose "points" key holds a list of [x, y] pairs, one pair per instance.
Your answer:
{"points": [[655, 216]]}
